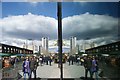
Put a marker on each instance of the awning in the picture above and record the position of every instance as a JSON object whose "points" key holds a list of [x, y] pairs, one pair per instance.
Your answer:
{"points": [[29, 54], [115, 53], [4, 54], [20, 54], [16, 55], [105, 55], [13, 56]]}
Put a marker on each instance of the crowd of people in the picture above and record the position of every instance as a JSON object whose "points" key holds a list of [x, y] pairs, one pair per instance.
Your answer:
{"points": [[90, 64], [72, 59], [45, 60], [30, 64], [10, 62]]}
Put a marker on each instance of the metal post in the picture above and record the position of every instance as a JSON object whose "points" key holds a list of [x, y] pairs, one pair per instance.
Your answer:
{"points": [[39, 50], [59, 14], [118, 21]]}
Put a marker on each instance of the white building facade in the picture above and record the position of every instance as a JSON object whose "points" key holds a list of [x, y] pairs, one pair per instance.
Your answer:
{"points": [[73, 48], [45, 46]]}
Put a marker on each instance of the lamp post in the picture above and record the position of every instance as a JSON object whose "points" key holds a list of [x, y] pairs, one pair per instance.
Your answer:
{"points": [[59, 14]]}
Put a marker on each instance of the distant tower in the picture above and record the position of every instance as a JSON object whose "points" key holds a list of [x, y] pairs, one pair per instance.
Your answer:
{"points": [[72, 42], [45, 45], [72, 45]]}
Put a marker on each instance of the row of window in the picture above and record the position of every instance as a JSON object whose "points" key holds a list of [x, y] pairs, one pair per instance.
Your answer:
{"points": [[6, 49], [107, 48]]}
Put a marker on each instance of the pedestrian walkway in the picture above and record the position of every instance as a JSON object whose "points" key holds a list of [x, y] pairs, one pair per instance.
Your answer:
{"points": [[46, 71], [0, 74], [72, 71]]}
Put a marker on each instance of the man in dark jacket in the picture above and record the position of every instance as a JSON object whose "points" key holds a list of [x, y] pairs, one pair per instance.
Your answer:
{"points": [[50, 60], [33, 66], [69, 59], [87, 65]]}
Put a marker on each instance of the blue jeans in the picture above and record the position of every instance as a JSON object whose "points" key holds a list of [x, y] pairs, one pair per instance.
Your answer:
{"points": [[96, 75], [26, 73]]}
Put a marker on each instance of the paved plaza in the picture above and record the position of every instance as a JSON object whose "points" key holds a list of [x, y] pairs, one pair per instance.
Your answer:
{"points": [[72, 71]]}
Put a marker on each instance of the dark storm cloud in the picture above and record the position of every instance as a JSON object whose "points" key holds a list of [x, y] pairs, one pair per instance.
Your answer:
{"points": [[93, 33], [30, 35], [90, 26]]}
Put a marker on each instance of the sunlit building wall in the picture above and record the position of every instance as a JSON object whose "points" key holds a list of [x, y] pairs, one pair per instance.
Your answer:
{"points": [[73, 48], [45, 46]]}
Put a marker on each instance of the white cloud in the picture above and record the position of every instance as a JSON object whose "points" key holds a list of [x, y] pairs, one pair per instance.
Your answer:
{"points": [[17, 29], [58, 0], [13, 0], [95, 41], [33, 3], [13, 41], [0, 18], [96, 0], [87, 23], [29, 24], [38, 26]]}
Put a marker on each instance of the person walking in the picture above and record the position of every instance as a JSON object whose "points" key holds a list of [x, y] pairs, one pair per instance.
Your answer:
{"points": [[78, 60], [50, 60], [33, 66], [94, 68], [46, 60], [69, 59], [41, 60], [87, 65], [72, 59], [26, 68], [82, 61]]}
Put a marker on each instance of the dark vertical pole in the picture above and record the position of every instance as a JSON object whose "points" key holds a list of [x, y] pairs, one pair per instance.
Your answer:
{"points": [[70, 45], [119, 21], [59, 14], [39, 50]]}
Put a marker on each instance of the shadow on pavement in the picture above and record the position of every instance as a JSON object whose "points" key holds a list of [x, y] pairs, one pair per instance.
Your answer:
{"points": [[59, 79], [83, 78]]}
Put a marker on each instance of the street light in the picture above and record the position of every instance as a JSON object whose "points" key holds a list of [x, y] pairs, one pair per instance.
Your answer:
{"points": [[59, 14]]}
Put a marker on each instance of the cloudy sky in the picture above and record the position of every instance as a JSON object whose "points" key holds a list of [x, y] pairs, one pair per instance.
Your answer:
{"points": [[86, 20], [59, 0]]}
